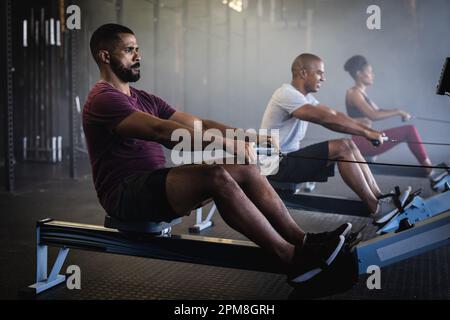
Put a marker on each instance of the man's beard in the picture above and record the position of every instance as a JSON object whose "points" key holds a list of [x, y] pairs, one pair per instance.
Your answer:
{"points": [[125, 74], [311, 89]]}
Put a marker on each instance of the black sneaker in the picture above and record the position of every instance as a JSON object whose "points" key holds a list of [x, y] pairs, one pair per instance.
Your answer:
{"points": [[312, 258], [342, 230]]}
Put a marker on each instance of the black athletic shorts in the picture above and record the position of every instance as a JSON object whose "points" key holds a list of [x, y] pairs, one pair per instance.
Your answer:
{"points": [[309, 164], [142, 197]]}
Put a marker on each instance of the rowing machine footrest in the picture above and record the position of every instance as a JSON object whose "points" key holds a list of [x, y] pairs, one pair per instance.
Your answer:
{"points": [[140, 226], [285, 186], [441, 185]]}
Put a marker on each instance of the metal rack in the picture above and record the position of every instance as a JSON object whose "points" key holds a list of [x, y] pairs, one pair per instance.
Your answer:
{"points": [[9, 103]]}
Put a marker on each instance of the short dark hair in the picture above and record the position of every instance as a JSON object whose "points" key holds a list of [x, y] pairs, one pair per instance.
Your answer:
{"points": [[105, 36], [355, 64], [303, 61]]}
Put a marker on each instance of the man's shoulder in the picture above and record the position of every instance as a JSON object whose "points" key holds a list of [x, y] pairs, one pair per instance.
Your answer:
{"points": [[288, 90], [287, 94], [153, 99], [285, 88], [153, 104], [140, 92], [104, 99], [102, 90]]}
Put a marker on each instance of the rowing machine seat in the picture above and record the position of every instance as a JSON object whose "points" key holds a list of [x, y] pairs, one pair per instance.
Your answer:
{"points": [[286, 186], [140, 226]]}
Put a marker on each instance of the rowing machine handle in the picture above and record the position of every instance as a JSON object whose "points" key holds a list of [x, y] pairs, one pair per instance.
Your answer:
{"points": [[267, 152], [376, 143], [264, 151]]}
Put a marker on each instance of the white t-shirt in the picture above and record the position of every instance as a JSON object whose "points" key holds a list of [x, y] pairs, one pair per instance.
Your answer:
{"points": [[278, 115]]}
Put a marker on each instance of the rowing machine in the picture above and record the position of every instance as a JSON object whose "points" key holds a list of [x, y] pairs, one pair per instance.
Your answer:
{"points": [[160, 244]]}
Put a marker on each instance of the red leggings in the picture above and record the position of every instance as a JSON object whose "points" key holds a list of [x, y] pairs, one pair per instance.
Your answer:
{"points": [[408, 134]]}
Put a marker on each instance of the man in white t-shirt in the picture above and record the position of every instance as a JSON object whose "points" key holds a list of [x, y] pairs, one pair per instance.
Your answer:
{"points": [[290, 110]]}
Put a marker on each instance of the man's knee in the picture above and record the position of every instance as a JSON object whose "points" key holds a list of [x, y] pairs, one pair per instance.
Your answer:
{"points": [[341, 148], [217, 176], [248, 171], [220, 181], [240, 174], [352, 146]]}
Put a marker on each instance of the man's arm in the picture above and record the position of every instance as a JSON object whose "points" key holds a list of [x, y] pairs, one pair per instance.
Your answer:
{"points": [[144, 126], [334, 120], [188, 120]]}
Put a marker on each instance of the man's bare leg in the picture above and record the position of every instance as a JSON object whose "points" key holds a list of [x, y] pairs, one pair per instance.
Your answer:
{"points": [[264, 197], [351, 172], [188, 186], [365, 168]]}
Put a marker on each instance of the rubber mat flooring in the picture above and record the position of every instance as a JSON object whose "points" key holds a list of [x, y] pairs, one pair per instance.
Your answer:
{"points": [[106, 276]]}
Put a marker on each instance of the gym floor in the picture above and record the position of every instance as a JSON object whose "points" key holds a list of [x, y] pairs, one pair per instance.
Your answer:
{"points": [[107, 276]]}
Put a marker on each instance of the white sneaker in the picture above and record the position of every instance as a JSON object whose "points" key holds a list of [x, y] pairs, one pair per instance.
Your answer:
{"points": [[387, 208], [437, 175], [441, 185]]}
